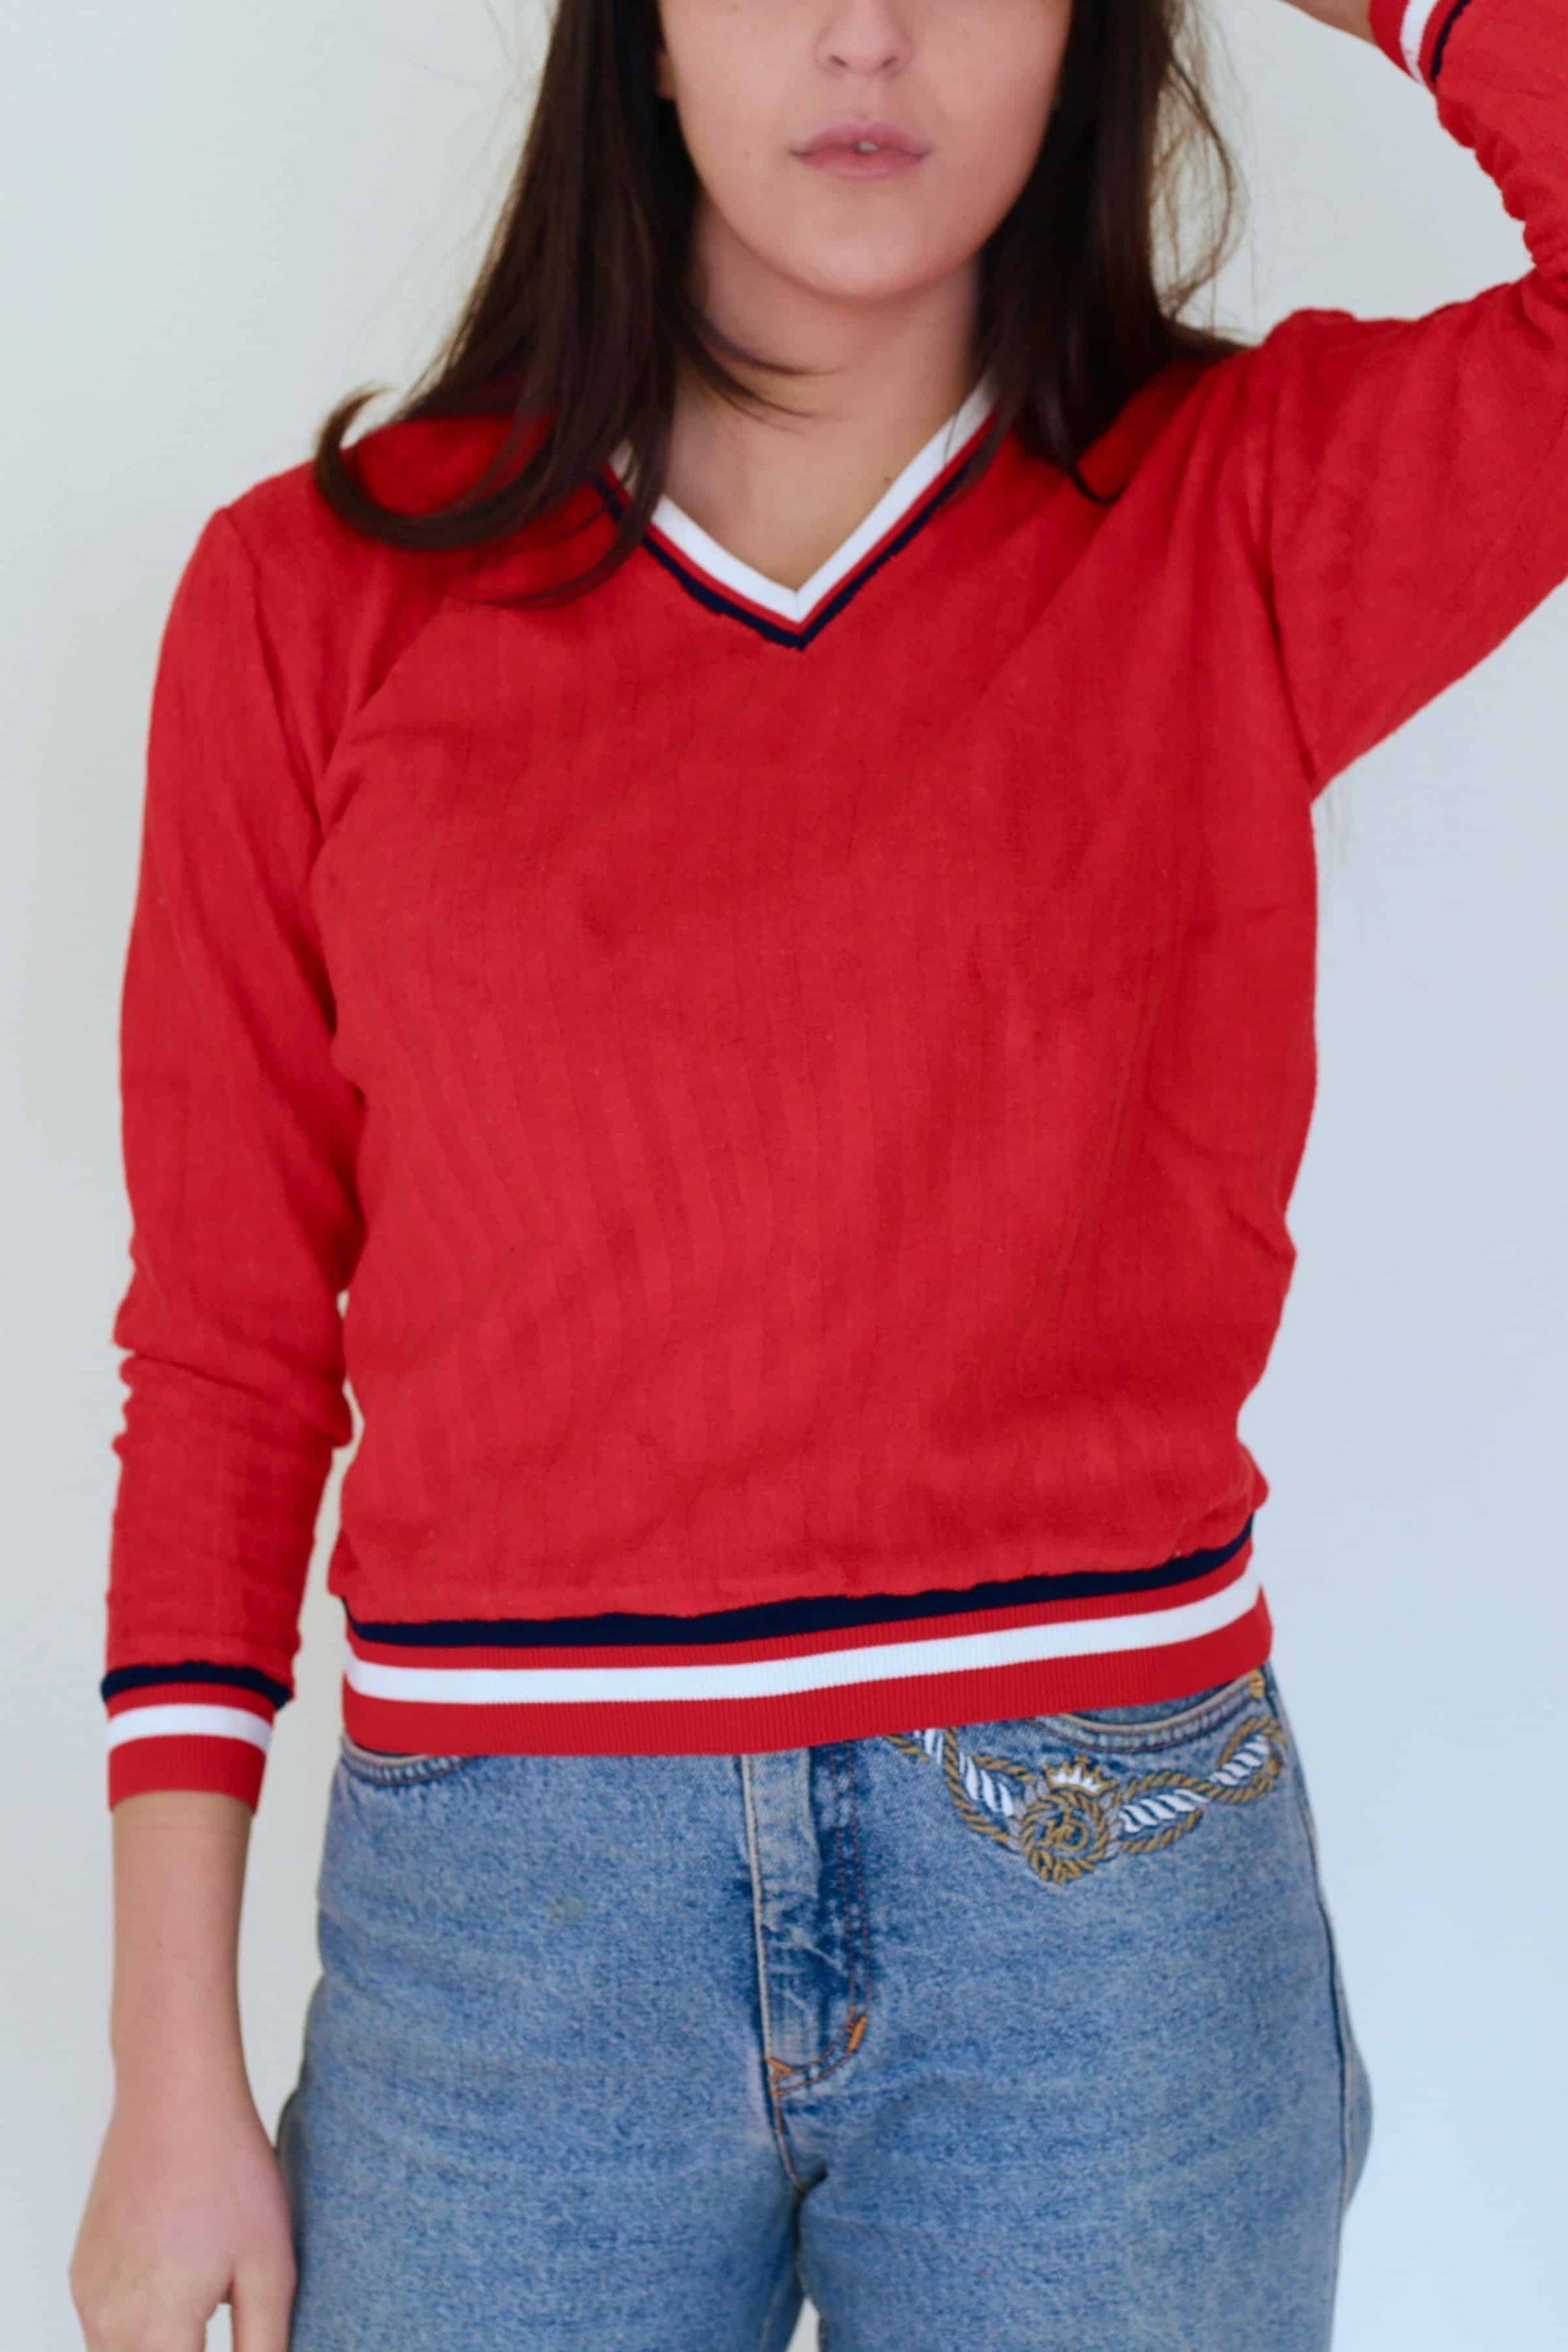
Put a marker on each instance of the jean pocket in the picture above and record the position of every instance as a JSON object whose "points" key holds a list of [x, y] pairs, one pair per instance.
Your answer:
{"points": [[1160, 1723], [1070, 1794], [387, 1767]]}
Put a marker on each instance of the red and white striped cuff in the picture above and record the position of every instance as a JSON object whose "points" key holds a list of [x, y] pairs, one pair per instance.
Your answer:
{"points": [[1414, 33], [191, 1725]]}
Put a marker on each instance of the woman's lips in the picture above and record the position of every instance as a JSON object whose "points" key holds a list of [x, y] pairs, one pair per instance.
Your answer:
{"points": [[862, 151]]}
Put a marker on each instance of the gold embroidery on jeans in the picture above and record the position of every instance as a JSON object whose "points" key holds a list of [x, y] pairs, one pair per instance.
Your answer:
{"points": [[1067, 1819]]}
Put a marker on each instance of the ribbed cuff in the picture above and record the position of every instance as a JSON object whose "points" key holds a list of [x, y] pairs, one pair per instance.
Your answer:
{"points": [[1413, 33], [194, 1724]]}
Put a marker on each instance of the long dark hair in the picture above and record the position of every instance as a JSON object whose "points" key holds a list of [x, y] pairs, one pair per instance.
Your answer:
{"points": [[581, 322]]}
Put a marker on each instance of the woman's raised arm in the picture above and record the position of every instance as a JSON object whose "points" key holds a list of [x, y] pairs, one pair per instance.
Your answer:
{"points": [[1406, 480]]}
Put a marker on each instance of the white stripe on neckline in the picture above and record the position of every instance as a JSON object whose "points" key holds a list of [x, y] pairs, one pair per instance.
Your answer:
{"points": [[797, 604], [817, 1670]]}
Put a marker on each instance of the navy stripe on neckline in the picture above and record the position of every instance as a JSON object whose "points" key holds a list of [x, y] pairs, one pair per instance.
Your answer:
{"points": [[795, 638], [820, 1613], [194, 1670]]}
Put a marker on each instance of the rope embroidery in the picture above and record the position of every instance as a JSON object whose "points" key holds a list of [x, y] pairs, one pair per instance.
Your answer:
{"points": [[1068, 1818]]}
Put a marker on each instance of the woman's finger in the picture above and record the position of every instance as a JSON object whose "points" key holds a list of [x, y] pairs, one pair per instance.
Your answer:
{"points": [[262, 2303]]}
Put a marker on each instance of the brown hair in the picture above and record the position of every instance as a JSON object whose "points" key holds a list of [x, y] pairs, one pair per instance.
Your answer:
{"points": [[581, 317]]}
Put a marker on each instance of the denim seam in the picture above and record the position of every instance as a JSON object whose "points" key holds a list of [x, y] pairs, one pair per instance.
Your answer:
{"points": [[1343, 2201], [857, 1946], [826, 2062], [862, 1920], [852, 1890], [1304, 1813], [856, 1957], [770, 2063], [788, 2076], [778, 2294]]}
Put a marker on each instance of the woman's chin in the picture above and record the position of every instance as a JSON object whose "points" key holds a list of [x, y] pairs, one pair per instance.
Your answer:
{"points": [[867, 279]]}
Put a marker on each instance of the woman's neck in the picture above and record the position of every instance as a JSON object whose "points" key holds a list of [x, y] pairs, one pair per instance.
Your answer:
{"points": [[783, 493]]}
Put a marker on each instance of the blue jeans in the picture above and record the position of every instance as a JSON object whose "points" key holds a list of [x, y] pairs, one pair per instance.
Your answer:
{"points": [[1022, 2034]]}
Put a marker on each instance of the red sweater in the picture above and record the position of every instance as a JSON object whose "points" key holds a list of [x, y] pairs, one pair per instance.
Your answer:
{"points": [[801, 1092]]}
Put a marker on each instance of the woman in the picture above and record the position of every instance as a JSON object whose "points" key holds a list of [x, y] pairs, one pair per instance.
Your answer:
{"points": [[740, 877]]}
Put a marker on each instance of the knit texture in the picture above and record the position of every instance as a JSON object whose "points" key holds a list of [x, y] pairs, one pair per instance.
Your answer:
{"points": [[800, 1098]]}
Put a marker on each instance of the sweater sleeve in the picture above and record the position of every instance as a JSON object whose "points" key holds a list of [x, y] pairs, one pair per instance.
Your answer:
{"points": [[238, 1135], [1407, 478]]}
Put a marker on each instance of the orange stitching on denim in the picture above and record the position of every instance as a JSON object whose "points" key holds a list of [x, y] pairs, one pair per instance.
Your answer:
{"points": [[863, 1910], [776, 2067], [857, 1937], [849, 1890], [827, 2060], [857, 1941]]}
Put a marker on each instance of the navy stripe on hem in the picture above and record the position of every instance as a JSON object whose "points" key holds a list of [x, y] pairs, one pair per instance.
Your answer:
{"points": [[194, 1670], [818, 1613]]}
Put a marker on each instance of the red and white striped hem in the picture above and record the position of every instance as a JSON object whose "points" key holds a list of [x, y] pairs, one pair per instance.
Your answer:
{"points": [[800, 1689]]}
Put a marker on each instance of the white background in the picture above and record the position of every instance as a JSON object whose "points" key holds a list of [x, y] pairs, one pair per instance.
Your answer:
{"points": [[219, 218]]}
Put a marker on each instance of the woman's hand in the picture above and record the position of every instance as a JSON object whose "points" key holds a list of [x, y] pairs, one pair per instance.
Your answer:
{"points": [[187, 2208], [187, 2211]]}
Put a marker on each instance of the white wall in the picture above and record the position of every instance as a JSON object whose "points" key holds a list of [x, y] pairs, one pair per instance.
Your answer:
{"points": [[219, 218]]}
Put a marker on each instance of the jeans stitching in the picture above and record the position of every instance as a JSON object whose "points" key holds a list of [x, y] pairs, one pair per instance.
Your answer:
{"points": [[1159, 1731], [862, 1900], [852, 1882], [788, 2279], [858, 1945], [1338, 2004], [403, 1772], [771, 2064], [847, 2041]]}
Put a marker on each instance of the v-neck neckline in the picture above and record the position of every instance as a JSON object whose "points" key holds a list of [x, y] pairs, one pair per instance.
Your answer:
{"points": [[792, 616]]}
